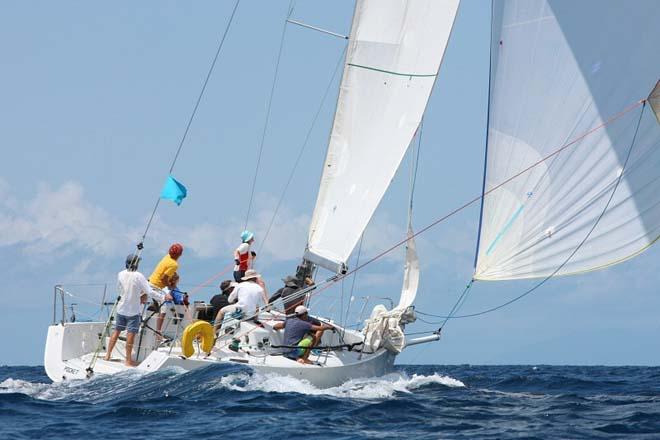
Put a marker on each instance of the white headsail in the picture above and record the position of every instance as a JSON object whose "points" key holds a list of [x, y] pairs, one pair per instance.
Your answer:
{"points": [[570, 73], [394, 53]]}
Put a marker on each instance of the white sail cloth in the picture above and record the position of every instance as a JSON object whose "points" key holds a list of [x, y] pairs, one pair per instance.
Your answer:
{"points": [[410, 273], [385, 329], [561, 70], [654, 100], [394, 53]]}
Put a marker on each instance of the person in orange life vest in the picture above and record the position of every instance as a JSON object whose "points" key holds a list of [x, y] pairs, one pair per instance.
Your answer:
{"points": [[243, 256], [166, 268]]}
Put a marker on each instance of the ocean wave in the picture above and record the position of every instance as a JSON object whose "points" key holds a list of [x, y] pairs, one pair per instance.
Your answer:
{"points": [[384, 387], [178, 382], [100, 388], [417, 401], [517, 395]]}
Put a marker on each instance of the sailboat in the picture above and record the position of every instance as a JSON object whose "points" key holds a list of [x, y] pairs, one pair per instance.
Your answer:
{"points": [[570, 185]]}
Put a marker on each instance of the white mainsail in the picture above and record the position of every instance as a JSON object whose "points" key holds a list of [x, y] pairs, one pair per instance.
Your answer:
{"points": [[394, 53], [560, 70]]}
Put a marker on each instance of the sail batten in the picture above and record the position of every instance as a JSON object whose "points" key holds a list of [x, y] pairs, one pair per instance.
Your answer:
{"points": [[394, 53], [554, 77]]}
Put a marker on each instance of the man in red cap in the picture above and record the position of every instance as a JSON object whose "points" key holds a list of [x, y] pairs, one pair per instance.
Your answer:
{"points": [[167, 267]]}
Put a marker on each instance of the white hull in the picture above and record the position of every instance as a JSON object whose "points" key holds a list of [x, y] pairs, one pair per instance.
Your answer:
{"points": [[70, 349]]}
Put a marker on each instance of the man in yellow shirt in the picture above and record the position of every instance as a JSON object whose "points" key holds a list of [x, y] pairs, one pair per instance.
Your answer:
{"points": [[167, 267]]}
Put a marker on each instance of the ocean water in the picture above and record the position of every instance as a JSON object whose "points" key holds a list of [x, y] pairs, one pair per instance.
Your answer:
{"points": [[416, 402]]}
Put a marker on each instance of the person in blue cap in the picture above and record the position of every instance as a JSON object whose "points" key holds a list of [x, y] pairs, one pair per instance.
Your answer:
{"points": [[243, 256]]}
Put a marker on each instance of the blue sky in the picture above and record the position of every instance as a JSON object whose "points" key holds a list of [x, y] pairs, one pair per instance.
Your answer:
{"points": [[94, 100]]}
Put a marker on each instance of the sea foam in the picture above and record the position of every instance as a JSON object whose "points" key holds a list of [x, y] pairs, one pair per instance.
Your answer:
{"points": [[384, 387]]}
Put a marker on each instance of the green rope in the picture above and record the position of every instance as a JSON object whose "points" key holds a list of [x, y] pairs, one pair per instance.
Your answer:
{"points": [[411, 75]]}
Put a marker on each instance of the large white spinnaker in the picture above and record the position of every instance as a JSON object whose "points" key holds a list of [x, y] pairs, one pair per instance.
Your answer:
{"points": [[559, 71], [394, 52]]}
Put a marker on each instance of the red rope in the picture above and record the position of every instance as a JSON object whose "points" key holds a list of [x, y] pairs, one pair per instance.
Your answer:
{"points": [[476, 199], [210, 280], [457, 210]]}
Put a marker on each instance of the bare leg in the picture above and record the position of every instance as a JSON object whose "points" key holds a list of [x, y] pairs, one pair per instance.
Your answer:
{"points": [[317, 338], [159, 326], [130, 337], [218, 320], [111, 345]]}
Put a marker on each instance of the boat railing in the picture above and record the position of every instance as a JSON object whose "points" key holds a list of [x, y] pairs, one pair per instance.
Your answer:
{"points": [[68, 307]]}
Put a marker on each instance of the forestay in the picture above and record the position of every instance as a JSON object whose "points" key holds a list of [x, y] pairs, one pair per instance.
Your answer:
{"points": [[559, 71], [394, 53]]}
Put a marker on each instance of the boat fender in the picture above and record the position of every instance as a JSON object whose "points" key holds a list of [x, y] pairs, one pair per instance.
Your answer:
{"points": [[198, 329]]}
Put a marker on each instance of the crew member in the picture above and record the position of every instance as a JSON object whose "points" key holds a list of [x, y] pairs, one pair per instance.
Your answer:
{"points": [[243, 256], [167, 267], [222, 299], [301, 333], [247, 295], [286, 293], [178, 298], [133, 290]]}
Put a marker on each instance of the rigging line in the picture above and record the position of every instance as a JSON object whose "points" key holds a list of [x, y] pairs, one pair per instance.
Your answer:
{"points": [[483, 183], [430, 332], [341, 306], [456, 305], [584, 240], [498, 186], [350, 297], [320, 287], [192, 115], [211, 279], [268, 108], [302, 150], [416, 163]]}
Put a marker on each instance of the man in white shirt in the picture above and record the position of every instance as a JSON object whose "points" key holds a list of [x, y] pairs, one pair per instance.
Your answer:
{"points": [[247, 296], [133, 289]]}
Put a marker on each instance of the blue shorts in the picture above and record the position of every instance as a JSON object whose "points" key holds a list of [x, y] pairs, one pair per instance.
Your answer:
{"points": [[129, 323]]}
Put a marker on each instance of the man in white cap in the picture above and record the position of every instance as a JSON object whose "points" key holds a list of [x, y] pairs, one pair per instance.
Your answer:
{"points": [[248, 296], [302, 334]]}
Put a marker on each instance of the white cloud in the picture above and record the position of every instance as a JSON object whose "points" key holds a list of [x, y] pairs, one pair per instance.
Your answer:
{"points": [[285, 240], [56, 221], [61, 221]]}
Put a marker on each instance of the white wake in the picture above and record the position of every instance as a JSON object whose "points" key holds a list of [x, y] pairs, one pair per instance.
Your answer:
{"points": [[385, 387], [98, 389], [105, 388]]}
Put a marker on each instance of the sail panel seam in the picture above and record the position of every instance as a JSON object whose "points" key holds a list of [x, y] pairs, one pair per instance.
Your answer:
{"points": [[390, 72]]}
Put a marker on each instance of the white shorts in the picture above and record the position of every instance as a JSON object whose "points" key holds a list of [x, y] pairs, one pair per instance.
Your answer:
{"points": [[231, 308]]}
